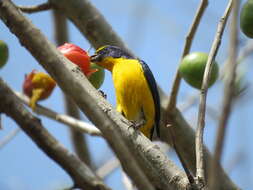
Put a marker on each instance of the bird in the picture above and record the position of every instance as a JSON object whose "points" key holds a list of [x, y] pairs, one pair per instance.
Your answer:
{"points": [[137, 97]]}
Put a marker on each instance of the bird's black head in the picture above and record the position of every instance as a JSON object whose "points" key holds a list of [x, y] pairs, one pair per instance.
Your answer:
{"points": [[109, 51]]}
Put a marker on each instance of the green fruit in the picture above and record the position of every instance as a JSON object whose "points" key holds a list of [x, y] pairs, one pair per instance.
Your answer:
{"points": [[192, 69], [246, 19], [98, 77], [4, 53]]}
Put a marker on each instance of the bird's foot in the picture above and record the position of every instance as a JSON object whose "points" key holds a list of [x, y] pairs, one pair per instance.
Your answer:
{"points": [[103, 94], [137, 124]]}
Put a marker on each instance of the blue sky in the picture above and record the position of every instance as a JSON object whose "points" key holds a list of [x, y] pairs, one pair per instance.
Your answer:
{"points": [[155, 31]]}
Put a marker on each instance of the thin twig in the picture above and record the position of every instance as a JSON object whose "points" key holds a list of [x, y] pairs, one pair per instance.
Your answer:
{"points": [[176, 148], [108, 167], [36, 8], [228, 95], [200, 173], [173, 96], [187, 48], [65, 119], [185, 139], [8, 137]]}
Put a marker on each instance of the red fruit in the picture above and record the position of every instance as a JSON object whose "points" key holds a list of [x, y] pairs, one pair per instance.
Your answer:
{"points": [[78, 56], [27, 85], [38, 86]]}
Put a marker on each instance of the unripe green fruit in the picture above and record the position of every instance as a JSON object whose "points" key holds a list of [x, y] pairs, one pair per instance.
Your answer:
{"points": [[246, 19], [192, 69], [4, 53], [98, 77]]}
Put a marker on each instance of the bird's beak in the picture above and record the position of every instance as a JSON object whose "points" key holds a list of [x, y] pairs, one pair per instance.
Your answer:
{"points": [[94, 58]]}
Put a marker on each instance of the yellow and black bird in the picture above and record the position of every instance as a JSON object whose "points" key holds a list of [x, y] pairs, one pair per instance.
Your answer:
{"points": [[136, 91]]}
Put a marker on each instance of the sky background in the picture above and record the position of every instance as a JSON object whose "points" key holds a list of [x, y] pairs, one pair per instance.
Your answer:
{"points": [[155, 31]]}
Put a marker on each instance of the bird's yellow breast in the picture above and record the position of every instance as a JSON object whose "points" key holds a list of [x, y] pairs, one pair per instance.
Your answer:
{"points": [[134, 97]]}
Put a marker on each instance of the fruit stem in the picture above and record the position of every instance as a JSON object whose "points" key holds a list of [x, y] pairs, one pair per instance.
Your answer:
{"points": [[36, 95]]}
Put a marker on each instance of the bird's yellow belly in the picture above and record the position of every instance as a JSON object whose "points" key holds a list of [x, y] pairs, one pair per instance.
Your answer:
{"points": [[128, 98], [133, 96]]}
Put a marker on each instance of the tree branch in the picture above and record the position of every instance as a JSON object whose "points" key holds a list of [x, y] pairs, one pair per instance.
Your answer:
{"points": [[89, 22], [82, 176], [175, 87], [36, 8], [187, 47], [108, 167], [228, 94], [124, 140], [200, 173], [65, 119], [1, 127], [103, 34], [77, 138]]}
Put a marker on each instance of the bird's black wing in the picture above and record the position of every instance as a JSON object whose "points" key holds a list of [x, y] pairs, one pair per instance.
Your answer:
{"points": [[153, 88]]}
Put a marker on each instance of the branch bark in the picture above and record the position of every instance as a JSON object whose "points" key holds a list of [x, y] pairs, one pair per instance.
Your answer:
{"points": [[200, 172], [124, 140], [36, 8], [77, 138], [228, 95], [82, 176]]}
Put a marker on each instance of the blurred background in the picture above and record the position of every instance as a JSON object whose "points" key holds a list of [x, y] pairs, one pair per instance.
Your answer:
{"points": [[155, 31]]}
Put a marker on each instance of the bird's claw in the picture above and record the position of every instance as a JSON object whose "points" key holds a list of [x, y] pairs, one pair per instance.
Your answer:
{"points": [[137, 124], [103, 94]]}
